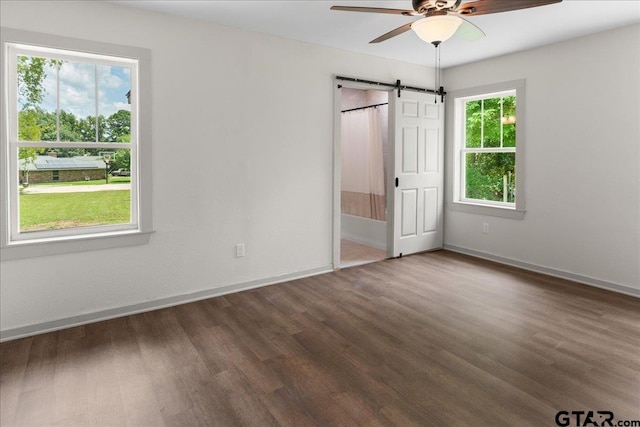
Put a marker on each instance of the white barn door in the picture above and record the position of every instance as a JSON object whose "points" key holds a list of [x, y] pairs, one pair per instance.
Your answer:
{"points": [[416, 178]]}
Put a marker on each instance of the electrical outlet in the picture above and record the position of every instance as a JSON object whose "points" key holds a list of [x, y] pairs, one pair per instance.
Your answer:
{"points": [[239, 250], [485, 228]]}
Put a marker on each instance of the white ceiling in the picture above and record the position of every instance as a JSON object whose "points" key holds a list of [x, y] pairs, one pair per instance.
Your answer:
{"points": [[312, 21]]}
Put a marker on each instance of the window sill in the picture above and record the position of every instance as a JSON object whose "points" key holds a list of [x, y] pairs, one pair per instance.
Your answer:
{"points": [[22, 250], [499, 211]]}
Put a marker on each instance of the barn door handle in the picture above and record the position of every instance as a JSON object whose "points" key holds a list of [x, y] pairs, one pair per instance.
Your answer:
{"points": [[397, 182]]}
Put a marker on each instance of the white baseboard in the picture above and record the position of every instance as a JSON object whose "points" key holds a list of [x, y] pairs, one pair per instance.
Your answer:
{"points": [[622, 289], [40, 328]]}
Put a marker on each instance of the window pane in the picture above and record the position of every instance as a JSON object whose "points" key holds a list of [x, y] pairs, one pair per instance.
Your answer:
{"points": [[490, 176], [473, 128], [36, 99], [114, 92], [491, 123], [71, 188], [509, 122], [77, 101]]}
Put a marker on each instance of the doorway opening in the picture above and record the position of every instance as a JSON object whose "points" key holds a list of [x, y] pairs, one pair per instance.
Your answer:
{"points": [[414, 177], [364, 129]]}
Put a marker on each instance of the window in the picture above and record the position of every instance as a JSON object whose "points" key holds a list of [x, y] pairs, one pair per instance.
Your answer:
{"points": [[73, 115], [489, 154]]}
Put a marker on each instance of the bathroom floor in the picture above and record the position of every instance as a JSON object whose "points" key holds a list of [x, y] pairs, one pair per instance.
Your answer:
{"points": [[352, 254]]}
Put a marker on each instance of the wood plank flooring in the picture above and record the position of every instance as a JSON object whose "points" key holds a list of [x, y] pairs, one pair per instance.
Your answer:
{"points": [[436, 339]]}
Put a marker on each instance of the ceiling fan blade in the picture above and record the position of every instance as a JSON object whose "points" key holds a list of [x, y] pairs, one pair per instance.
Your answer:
{"points": [[483, 7], [469, 31], [393, 33], [376, 10]]}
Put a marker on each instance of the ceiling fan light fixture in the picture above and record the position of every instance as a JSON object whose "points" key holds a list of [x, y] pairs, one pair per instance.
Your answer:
{"points": [[436, 29]]}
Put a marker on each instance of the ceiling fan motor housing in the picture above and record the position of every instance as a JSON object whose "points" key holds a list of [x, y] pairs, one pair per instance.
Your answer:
{"points": [[425, 6]]}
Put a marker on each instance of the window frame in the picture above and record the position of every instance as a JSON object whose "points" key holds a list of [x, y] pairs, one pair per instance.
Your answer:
{"points": [[487, 207], [14, 245]]}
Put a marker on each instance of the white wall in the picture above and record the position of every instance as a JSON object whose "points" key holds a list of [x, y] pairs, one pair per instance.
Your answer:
{"points": [[243, 140], [582, 161]]}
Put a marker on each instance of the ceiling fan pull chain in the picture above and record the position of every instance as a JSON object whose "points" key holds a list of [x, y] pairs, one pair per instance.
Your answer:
{"points": [[437, 73], [438, 77], [439, 69]]}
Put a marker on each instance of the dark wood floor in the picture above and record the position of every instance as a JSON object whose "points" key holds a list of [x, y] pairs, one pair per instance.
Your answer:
{"points": [[434, 339]]}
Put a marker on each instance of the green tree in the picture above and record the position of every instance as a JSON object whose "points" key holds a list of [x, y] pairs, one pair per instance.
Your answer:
{"points": [[32, 73], [31, 76], [118, 126], [485, 173], [122, 159], [484, 122], [68, 127], [27, 157], [47, 122], [29, 131], [86, 128]]}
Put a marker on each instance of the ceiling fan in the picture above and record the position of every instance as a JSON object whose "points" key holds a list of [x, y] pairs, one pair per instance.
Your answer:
{"points": [[444, 18]]}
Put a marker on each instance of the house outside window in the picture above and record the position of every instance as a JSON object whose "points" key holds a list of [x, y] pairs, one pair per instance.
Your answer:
{"points": [[73, 115], [489, 150]]}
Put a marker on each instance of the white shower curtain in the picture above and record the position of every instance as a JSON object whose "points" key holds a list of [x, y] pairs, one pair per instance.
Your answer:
{"points": [[363, 186]]}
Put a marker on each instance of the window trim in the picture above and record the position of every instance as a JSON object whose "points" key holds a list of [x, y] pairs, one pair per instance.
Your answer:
{"points": [[486, 207], [93, 237]]}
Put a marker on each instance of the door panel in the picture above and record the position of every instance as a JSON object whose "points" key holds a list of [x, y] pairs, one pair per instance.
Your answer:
{"points": [[430, 210], [432, 111], [410, 149], [416, 194], [410, 108], [409, 210], [431, 153]]}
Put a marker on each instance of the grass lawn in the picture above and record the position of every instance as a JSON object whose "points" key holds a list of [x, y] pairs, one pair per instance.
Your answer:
{"points": [[67, 210]]}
